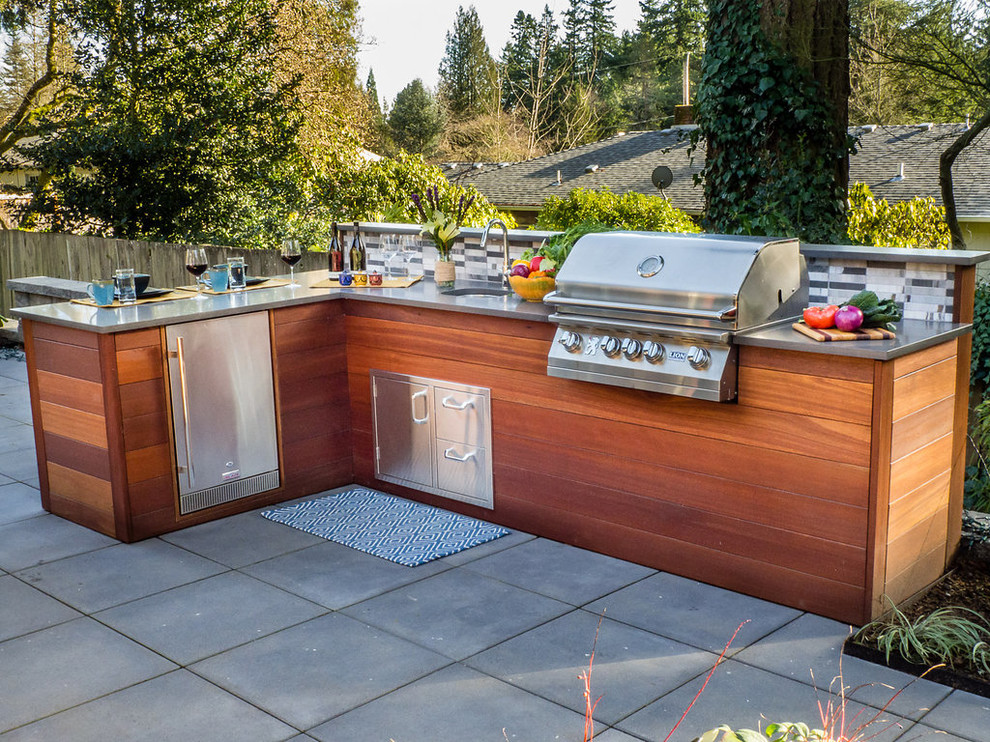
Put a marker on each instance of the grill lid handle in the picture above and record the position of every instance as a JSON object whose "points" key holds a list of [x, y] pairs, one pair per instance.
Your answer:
{"points": [[723, 315]]}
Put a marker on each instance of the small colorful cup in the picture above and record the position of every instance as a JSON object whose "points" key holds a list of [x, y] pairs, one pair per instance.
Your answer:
{"points": [[345, 278], [217, 277], [374, 278], [101, 292], [360, 278]]}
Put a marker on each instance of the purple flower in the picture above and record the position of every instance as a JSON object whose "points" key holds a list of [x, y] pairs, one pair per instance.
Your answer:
{"points": [[419, 205]]}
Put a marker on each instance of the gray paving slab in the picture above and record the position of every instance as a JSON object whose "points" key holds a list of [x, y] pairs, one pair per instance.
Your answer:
{"points": [[455, 704], [44, 539], [16, 436], [311, 672], [458, 612], [632, 667], [59, 667], [13, 369], [242, 539], [614, 735], [19, 465], [559, 571], [177, 707], [746, 697], [694, 613], [813, 645], [922, 733], [18, 501], [15, 405], [24, 609], [963, 714], [336, 576], [192, 622], [115, 575], [4, 479]]}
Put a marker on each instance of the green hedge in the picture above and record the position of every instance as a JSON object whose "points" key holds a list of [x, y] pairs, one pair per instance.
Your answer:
{"points": [[919, 222], [626, 211]]}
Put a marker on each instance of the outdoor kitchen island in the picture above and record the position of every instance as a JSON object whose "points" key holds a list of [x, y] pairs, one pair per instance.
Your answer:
{"points": [[833, 478]]}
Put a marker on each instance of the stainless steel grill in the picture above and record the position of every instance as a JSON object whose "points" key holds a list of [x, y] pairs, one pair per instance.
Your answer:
{"points": [[659, 311]]}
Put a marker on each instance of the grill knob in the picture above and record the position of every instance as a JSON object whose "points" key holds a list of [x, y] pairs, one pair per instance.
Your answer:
{"points": [[611, 346], [654, 351], [698, 357], [571, 341], [632, 349]]}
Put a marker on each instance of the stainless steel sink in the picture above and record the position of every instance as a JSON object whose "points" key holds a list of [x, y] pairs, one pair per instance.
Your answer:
{"points": [[478, 289]]}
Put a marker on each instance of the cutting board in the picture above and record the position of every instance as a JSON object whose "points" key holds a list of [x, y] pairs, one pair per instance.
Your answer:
{"points": [[832, 334]]}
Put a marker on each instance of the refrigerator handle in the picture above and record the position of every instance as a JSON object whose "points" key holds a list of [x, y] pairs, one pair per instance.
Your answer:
{"points": [[190, 474], [426, 418]]}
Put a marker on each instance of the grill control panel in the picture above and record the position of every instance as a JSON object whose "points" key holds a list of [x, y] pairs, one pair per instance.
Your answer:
{"points": [[671, 364]]}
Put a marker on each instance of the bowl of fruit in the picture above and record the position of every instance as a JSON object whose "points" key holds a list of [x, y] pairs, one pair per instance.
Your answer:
{"points": [[534, 278]]}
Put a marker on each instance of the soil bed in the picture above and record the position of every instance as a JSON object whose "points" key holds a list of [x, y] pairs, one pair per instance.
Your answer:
{"points": [[968, 585]]}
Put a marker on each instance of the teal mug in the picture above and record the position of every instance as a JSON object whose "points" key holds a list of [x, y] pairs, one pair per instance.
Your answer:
{"points": [[101, 292], [217, 277]]}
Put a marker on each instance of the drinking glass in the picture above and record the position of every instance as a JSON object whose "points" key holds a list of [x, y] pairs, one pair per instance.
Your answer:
{"points": [[291, 254], [124, 278], [391, 249], [238, 277], [410, 251], [196, 264]]}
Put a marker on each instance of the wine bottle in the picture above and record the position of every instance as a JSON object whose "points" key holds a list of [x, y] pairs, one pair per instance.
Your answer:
{"points": [[358, 254], [336, 254]]}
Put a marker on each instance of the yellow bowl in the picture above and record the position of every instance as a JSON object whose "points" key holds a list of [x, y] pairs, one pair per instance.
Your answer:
{"points": [[532, 289]]}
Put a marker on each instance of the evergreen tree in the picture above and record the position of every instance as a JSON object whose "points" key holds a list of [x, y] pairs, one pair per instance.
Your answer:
{"points": [[371, 90], [416, 120], [467, 71], [589, 34], [17, 76]]}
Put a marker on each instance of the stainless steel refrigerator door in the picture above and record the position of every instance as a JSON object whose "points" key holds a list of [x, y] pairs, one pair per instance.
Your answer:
{"points": [[223, 404], [403, 430]]}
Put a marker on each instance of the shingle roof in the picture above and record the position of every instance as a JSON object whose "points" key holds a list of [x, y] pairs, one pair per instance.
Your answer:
{"points": [[626, 161]]}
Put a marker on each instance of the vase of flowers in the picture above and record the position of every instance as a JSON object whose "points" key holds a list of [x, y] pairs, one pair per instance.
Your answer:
{"points": [[441, 229]]}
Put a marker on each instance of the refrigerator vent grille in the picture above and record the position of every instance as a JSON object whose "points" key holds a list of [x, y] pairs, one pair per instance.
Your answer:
{"points": [[228, 491]]}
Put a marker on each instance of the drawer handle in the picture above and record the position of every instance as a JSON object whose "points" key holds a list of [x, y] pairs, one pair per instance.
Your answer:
{"points": [[426, 416], [451, 403], [451, 453]]}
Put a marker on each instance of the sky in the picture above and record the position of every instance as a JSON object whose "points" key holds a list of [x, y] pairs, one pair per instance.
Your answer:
{"points": [[405, 39]]}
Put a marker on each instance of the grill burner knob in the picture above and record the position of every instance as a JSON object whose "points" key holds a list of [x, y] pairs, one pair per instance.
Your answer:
{"points": [[611, 346], [654, 351], [632, 349], [571, 341], [698, 357]]}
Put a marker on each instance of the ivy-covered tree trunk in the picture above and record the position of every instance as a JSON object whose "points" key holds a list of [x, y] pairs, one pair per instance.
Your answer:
{"points": [[773, 109]]}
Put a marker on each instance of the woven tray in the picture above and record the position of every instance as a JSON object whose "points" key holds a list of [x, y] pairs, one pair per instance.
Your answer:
{"points": [[269, 283], [387, 283], [831, 334], [171, 296]]}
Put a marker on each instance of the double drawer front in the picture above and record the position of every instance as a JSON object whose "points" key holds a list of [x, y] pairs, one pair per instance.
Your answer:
{"points": [[463, 437]]}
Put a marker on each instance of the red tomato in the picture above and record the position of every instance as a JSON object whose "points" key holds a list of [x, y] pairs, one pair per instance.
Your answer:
{"points": [[820, 317]]}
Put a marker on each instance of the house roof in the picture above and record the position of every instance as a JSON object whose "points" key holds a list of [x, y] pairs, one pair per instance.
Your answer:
{"points": [[626, 161]]}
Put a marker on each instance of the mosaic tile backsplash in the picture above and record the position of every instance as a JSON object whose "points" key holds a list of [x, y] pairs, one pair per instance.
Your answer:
{"points": [[925, 290]]}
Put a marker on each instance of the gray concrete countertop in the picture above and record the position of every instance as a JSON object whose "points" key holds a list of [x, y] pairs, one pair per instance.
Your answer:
{"points": [[912, 335], [422, 294]]}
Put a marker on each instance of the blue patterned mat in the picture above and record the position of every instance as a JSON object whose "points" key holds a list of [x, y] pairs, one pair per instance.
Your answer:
{"points": [[402, 531]]}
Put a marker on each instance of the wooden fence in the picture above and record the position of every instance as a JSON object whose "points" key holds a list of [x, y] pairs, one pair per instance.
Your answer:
{"points": [[83, 258]]}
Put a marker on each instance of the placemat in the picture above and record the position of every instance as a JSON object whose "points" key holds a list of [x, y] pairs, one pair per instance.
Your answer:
{"points": [[832, 334], [269, 283], [387, 283], [392, 528], [171, 296]]}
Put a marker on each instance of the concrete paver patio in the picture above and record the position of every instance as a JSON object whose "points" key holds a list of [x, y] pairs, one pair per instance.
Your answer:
{"points": [[244, 629]]}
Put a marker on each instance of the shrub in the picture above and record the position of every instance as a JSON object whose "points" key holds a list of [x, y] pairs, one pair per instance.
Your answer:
{"points": [[919, 222], [626, 211]]}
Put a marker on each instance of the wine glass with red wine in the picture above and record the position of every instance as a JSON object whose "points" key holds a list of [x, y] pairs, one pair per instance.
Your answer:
{"points": [[196, 264], [291, 254]]}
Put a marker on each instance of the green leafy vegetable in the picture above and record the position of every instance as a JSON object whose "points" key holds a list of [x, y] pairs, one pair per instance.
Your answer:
{"points": [[876, 313]]}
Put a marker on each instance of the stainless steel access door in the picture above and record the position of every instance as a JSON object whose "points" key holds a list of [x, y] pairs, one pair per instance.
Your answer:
{"points": [[223, 409], [403, 430]]}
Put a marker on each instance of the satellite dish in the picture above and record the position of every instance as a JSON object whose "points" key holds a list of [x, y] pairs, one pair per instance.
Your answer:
{"points": [[662, 176]]}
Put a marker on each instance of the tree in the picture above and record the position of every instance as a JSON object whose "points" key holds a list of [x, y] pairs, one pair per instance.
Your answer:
{"points": [[772, 107], [177, 127], [467, 71], [17, 75], [589, 34], [416, 120]]}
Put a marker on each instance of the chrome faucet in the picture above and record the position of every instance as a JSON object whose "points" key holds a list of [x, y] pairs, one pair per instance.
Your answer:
{"points": [[505, 247]]}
